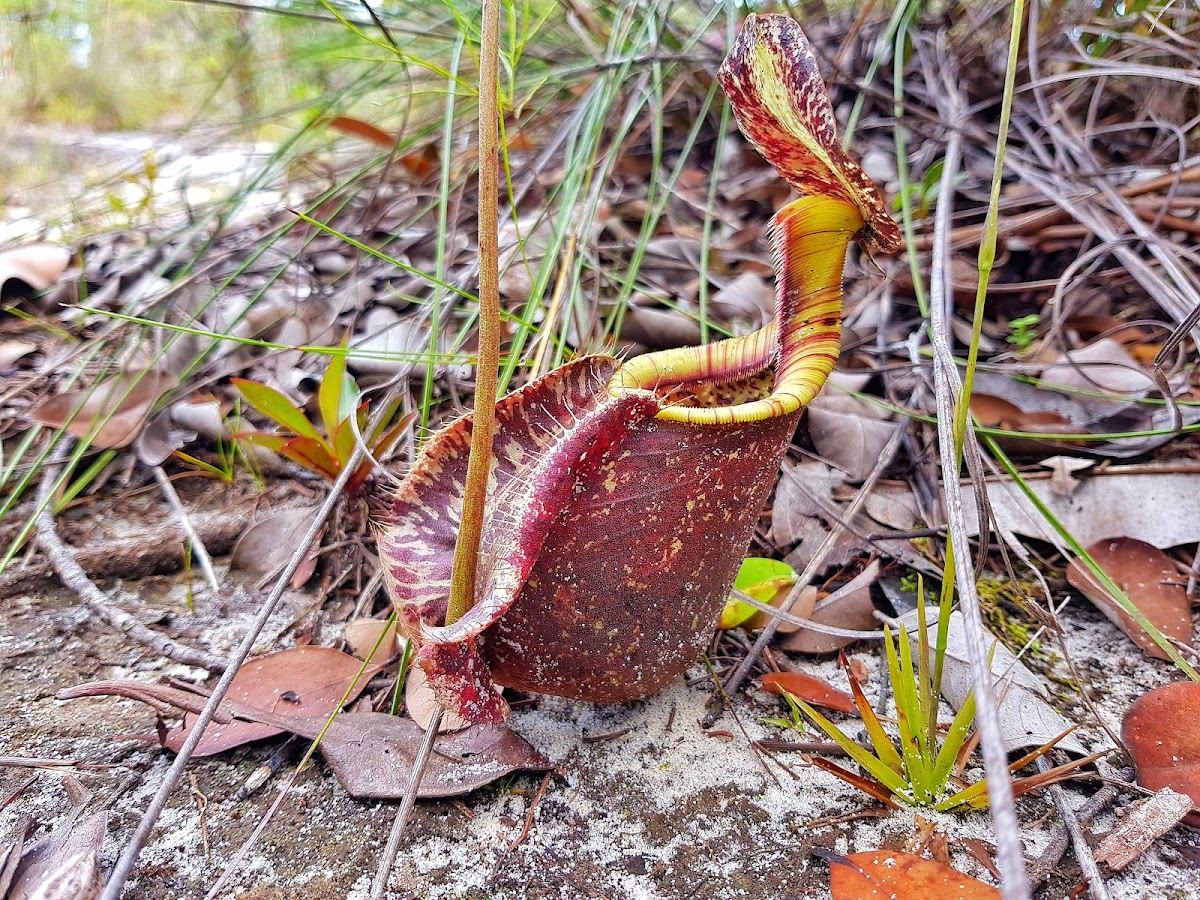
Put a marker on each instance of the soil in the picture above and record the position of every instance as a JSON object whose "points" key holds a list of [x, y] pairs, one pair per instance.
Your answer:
{"points": [[645, 803]]}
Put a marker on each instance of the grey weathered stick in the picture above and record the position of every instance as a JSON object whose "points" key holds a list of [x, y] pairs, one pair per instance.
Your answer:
{"points": [[124, 866], [388, 860], [1097, 889], [947, 386], [185, 522], [75, 579]]}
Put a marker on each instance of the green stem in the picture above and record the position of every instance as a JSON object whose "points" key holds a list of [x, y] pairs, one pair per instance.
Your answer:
{"points": [[466, 552]]}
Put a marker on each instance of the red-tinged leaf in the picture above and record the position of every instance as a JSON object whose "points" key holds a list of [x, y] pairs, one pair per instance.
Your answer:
{"points": [[299, 681], [868, 786], [1149, 579], [806, 687], [371, 754], [888, 873], [360, 129], [1162, 733], [114, 412], [277, 407], [778, 96], [312, 455]]}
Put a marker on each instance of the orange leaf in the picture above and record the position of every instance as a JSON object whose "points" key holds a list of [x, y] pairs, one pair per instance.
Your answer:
{"points": [[1162, 733], [886, 873], [361, 129], [1149, 579], [806, 687]]}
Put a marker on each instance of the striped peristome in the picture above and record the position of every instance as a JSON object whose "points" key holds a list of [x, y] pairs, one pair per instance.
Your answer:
{"points": [[623, 496]]}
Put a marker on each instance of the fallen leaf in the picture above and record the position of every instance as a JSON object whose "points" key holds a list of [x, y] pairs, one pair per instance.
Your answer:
{"points": [[849, 432], [364, 130], [766, 580], [118, 408], [362, 635], [1161, 731], [849, 607], [1160, 508], [806, 687], [301, 681], [266, 545], [888, 873], [996, 412], [1104, 366], [1026, 718], [36, 266], [1149, 579], [371, 754]]}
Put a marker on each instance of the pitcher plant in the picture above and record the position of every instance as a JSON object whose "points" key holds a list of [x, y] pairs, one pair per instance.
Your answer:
{"points": [[624, 495]]}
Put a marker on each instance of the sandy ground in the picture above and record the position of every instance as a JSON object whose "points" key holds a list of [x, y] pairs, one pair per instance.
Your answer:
{"points": [[648, 804]]}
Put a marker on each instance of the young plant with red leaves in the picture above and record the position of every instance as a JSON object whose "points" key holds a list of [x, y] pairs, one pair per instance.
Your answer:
{"points": [[343, 419], [624, 494]]}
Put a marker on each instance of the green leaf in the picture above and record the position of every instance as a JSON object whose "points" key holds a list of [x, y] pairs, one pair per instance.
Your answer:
{"points": [[960, 729], [874, 766], [276, 407], [312, 455], [756, 570]]}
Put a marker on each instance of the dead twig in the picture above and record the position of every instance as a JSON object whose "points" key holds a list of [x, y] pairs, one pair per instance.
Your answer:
{"points": [[1083, 853], [76, 580], [185, 522]]}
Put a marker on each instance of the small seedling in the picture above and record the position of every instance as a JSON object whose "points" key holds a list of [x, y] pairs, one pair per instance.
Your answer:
{"points": [[343, 419], [1023, 331]]}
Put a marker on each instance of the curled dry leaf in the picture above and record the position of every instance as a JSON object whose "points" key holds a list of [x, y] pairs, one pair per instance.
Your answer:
{"points": [[11, 351], [888, 873], [849, 607], [116, 410], [1161, 731], [810, 689], [1149, 579], [849, 432], [63, 865], [36, 266]]}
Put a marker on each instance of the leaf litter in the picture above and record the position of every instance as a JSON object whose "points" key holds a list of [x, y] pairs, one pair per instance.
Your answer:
{"points": [[1105, 499]]}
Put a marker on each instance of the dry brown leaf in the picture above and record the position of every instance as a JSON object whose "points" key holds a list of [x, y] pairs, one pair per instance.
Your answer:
{"points": [[849, 432], [118, 408], [1161, 731], [889, 873], [362, 635], [36, 265], [371, 754], [266, 545], [1149, 579], [848, 607], [300, 681]]}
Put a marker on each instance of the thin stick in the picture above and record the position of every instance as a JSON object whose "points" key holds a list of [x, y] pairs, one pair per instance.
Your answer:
{"points": [[124, 867], [1083, 853], [75, 579], [388, 860], [185, 522]]}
